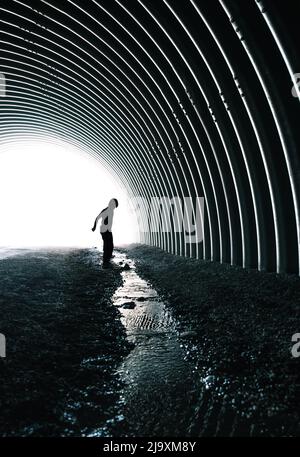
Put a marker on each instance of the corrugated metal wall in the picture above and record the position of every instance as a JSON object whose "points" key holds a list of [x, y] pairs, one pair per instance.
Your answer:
{"points": [[179, 98]]}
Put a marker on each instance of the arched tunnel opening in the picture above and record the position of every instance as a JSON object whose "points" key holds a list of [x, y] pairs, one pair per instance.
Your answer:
{"points": [[187, 113], [52, 190]]}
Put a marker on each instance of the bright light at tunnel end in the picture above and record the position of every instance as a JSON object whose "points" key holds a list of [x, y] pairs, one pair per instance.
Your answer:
{"points": [[52, 192]]}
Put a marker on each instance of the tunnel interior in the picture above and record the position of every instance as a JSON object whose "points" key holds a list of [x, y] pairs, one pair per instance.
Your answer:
{"points": [[180, 99]]}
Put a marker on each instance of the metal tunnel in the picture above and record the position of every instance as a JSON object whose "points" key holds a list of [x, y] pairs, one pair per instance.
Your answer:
{"points": [[178, 98]]}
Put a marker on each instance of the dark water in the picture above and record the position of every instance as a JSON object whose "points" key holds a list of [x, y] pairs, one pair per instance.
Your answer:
{"points": [[161, 389]]}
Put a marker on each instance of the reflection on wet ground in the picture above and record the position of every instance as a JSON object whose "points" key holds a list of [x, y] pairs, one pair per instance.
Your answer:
{"points": [[161, 387], [99, 352]]}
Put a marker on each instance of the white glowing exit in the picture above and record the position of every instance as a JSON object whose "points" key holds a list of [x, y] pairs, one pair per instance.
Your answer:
{"points": [[52, 192]]}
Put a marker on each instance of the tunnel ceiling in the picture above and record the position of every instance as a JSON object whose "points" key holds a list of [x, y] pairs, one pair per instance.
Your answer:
{"points": [[179, 98]]}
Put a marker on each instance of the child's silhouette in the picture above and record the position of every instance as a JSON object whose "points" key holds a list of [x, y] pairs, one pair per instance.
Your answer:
{"points": [[107, 215]]}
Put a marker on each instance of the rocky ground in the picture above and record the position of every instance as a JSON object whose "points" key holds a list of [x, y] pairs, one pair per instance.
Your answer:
{"points": [[236, 325], [64, 340], [65, 345]]}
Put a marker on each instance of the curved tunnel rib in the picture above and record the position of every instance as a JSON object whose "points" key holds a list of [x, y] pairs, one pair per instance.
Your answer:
{"points": [[181, 99]]}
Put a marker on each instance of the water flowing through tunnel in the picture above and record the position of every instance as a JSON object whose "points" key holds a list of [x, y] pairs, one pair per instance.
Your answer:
{"points": [[180, 98]]}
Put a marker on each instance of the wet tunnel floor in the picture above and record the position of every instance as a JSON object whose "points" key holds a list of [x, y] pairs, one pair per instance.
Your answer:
{"points": [[160, 384], [163, 347]]}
